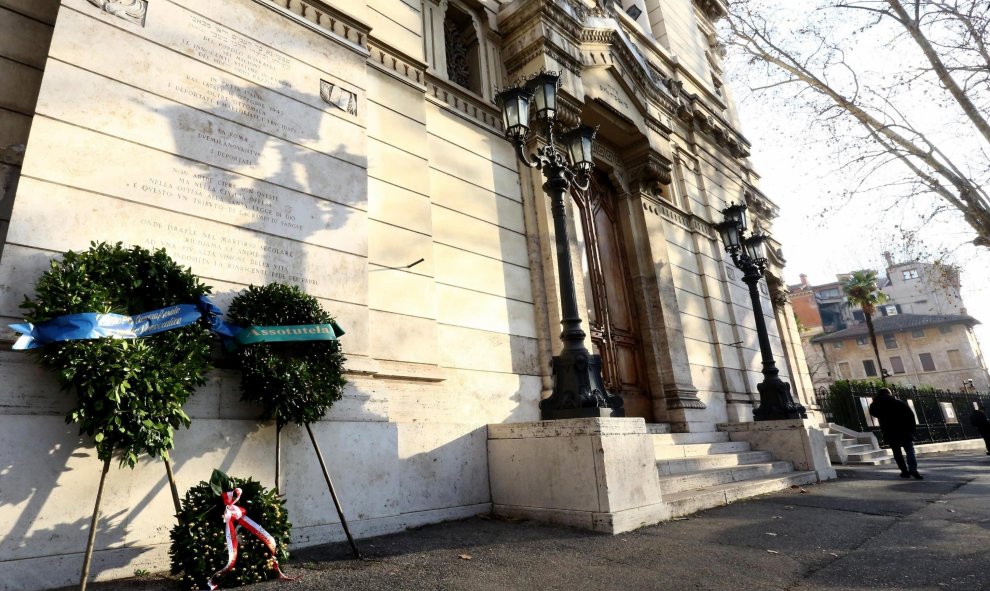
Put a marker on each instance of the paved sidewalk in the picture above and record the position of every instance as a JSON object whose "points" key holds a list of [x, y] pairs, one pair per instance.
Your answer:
{"points": [[869, 529]]}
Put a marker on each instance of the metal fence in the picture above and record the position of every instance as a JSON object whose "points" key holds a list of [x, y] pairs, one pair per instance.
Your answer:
{"points": [[941, 415]]}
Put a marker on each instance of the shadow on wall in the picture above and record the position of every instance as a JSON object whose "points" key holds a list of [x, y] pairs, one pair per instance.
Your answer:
{"points": [[273, 209]]}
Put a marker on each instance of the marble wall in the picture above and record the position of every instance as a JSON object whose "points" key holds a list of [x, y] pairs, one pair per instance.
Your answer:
{"points": [[269, 141]]}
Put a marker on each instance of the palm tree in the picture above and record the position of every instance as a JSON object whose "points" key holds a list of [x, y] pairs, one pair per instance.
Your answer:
{"points": [[861, 290]]}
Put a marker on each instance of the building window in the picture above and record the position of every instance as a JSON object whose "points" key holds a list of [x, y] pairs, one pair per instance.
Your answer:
{"points": [[870, 368], [844, 370], [955, 359], [861, 341], [838, 345], [889, 341], [910, 274], [457, 44], [889, 310], [859, 316], [918, 333], [945, 329], [897, 365], [927, 363], [461, 44], [828, 293]]}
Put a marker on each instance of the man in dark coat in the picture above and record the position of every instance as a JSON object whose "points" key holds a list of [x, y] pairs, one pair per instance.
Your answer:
{"points": [[897, 424], [982, 424]]}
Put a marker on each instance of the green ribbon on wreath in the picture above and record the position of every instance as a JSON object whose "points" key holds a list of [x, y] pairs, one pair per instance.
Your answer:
{"points": [[296, 332]]}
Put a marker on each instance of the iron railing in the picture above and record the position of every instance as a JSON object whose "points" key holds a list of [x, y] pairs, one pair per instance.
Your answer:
{"points": [[941, 415]]}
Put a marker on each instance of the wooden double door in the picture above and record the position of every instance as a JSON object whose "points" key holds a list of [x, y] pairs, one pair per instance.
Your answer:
{"points": [[613, 321]]}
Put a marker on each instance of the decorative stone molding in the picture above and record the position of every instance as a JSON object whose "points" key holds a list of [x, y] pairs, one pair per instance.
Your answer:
{"points": [[608, 46], [133, 11], [395, 64], [759, 204], [680, 398], [567, 15], [713, 9], [606, 153], [338, 96], [650, 171], [569, 111], [696, 114], [466, 105], [672, 214], [326, 18]]}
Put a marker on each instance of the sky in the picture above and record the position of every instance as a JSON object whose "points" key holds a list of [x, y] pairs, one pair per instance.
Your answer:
{"points": [[822, 236]]}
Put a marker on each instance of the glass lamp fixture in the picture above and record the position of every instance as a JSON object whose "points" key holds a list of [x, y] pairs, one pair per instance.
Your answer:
{"points": [[756, 247], [731, 234], [544, 88], [579, 142], [736, 213], [515, 112]]}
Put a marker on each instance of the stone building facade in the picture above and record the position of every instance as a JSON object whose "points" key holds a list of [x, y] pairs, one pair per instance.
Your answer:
{"points": [[333, 145]]}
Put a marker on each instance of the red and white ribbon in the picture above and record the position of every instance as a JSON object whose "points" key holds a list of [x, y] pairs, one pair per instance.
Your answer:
{"points": [[234, 517]]}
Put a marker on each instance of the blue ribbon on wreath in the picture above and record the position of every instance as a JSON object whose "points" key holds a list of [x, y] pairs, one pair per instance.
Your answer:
{"points": [[92, 325]]}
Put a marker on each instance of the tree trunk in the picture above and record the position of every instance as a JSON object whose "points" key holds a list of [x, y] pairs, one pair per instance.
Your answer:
{"points": [[873, 339]]}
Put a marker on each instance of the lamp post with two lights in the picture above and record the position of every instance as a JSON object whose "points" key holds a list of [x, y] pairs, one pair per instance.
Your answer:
{"points": [[749, 255], [578, 389]]}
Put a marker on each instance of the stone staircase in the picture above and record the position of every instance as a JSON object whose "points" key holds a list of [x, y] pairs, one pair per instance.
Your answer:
{"points": [[851, 447], [703, 470]]}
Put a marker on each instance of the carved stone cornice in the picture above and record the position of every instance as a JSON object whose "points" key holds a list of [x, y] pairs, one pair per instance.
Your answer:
{"points": [[567, 15], [623, 53], [649, 171], [396, 64], [759, 204], [694, 113], [569, 111], [464, 104], [328, 19], [713, 9], [671, 213], [518, 55]]}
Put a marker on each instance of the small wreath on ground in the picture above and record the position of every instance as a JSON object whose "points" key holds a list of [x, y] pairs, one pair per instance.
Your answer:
{"points": [[130, 391], [199, 543], [295, 382]]}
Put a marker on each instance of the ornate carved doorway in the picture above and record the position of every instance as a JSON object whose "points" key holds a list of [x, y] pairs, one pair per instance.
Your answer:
{"points": [[612, 319]]}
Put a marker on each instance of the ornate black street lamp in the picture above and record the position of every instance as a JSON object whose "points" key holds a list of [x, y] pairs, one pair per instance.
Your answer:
{"points": [[578, 390], [749, 256]]}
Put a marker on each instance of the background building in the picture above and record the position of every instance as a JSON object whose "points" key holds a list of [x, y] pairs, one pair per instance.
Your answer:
{"points": [[920, 350], [924, 334]]}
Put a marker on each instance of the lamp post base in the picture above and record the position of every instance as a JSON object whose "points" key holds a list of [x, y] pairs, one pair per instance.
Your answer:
{"points": [[578, 391], [776, 403]]}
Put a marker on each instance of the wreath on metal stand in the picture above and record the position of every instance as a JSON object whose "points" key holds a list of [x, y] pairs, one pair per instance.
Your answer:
{"points": [[128, 330], [291, 364]]}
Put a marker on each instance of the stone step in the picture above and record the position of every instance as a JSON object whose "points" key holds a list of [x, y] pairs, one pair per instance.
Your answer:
{"points": [[698, 463], [875, 457], [684, 438], [690, 501], [859, 449], [707, 478], [699, 449], [657, 428]]}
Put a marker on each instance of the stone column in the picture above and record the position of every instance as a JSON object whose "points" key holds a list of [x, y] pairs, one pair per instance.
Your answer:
{"points": [[653, 278]]}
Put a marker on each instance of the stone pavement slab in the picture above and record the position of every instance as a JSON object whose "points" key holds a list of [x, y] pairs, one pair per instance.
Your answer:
{"points": [[869, 529]]}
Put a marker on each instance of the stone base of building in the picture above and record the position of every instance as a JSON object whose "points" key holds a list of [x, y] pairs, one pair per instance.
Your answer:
{"points": [[596, 473], [799, 441]]}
